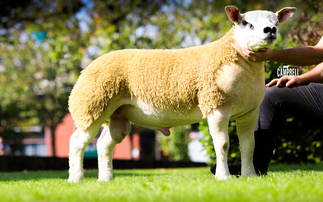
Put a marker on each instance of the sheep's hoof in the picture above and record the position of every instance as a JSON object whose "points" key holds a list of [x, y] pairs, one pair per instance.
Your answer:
{"points": [[105, 179], [250, 175], [75, 178], [70, 180], [222, 177]]}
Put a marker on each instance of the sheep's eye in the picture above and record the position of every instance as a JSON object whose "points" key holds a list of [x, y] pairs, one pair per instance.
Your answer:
{"points": [[247, 23]]}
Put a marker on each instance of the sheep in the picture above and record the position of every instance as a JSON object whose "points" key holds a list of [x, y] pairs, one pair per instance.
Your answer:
{"points": [[160, 89]]}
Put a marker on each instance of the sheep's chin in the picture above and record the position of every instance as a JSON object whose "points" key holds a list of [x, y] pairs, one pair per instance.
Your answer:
{"points": [[261, 47]]}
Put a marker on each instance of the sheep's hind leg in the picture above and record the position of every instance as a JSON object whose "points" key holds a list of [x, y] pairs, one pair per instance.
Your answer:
{"points": [[78, 142], [117, 129]]}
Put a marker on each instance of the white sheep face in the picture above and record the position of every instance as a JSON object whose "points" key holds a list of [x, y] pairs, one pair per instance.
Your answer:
{"points": [[257, 29]]}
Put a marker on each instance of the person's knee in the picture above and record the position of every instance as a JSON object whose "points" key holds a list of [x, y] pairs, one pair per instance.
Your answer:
{"points": [[274, 95], [271, 91]]}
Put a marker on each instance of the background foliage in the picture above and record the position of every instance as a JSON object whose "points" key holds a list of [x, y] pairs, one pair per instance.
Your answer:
{"points": [[45, 44], [175, 146]]}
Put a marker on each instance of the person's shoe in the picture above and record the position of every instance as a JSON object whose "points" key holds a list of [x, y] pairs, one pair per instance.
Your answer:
{"points": [[234, 169], [213, 168], [261, 169]]}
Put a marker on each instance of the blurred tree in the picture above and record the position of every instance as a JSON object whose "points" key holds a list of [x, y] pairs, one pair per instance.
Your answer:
{"points": [[33, 71], [38, 75], [42, 47], [18, 13]]}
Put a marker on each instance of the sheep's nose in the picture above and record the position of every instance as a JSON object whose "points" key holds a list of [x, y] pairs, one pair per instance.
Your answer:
{"points": [[271, 30]]}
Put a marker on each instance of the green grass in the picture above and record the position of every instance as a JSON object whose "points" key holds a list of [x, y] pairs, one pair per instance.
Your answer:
{"points": [[283, 183]]}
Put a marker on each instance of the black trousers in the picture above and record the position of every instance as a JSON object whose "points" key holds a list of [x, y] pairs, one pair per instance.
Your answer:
{"points": [[303, 101]]}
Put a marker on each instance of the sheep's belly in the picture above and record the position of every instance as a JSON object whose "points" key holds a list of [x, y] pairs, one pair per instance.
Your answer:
{"points": [[145, 115]]}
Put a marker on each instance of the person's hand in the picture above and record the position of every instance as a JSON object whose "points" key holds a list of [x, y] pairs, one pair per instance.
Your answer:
{"points": [[288, 80], [256, 56]]}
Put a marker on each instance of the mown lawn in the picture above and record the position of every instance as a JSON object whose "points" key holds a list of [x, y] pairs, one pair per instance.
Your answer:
{"points": [[284, 183]]}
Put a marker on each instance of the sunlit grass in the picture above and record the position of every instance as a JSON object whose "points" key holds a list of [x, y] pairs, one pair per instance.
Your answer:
{"points": [[284, 183]]}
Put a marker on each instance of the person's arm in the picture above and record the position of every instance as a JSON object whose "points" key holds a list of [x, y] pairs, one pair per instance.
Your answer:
{"points": [[301, 56], [314, 75]]}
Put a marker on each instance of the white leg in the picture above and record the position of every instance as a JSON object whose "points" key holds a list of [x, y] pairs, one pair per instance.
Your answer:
{"points": [[218, 121], [78, 142], [245, 128], [118, 129], [105, 147]]}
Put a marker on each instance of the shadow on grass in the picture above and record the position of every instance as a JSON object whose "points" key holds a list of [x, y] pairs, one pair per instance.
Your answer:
{"points": [[38, 175], [295, 167]]}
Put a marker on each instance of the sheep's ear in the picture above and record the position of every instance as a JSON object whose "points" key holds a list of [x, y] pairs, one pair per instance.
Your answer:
{"points": [[234, 14], [285, 13]]}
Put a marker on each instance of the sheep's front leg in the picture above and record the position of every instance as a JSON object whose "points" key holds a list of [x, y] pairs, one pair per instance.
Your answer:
{"points": [[78, 142], [245, 128], [218, 125]]}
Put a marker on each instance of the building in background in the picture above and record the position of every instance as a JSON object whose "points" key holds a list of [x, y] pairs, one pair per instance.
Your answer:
{"points": [[140, 144], [135, 146]]}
